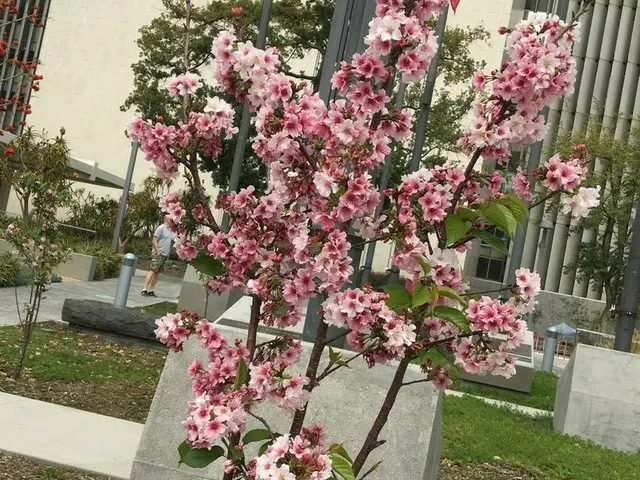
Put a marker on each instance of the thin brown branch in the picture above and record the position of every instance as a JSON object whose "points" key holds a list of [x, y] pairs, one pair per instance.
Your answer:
{"points": [[329, 370], [252, 332]]}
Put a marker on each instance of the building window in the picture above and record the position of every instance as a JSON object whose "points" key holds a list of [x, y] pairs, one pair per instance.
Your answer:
{"points": [[492, 263]]}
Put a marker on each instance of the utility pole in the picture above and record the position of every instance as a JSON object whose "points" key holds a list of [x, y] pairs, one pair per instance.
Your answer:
{"points": [[115, 243], [628, 308], [245, 123]]}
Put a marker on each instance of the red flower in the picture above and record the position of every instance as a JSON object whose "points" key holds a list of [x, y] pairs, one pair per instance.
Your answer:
{"points": [[237, 11], [9, 151]]}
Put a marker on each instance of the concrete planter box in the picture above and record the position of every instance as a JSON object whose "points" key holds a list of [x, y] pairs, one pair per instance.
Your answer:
{"points": [[345, 404], [79, 266], [522, 380], [598, 398]]}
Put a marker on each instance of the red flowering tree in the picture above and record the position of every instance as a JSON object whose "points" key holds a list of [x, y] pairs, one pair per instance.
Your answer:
{"points": [[19, 67], [292, 243]]}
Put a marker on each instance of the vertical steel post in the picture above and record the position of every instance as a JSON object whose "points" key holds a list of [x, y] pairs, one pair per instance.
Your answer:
{"points": [[127, 271], [550, 346], [628, 309], [245, 123], [115, 243]]}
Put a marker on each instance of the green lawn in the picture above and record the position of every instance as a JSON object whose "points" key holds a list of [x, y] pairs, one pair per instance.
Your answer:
{"points": [[82, 371], [475, 432], [542, 396], [161, 308]]}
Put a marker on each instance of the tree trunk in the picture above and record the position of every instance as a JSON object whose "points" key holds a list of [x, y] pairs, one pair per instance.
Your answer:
{"points": [[372, 442], [17, 371]]}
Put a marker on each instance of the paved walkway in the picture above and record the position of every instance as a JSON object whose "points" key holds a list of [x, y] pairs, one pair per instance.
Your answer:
{"points": [[66, 437], [168, 290]]}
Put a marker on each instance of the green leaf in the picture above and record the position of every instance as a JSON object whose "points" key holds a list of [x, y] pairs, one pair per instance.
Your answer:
{"points": [[263, 448], [342, 467], [455, 228], [493, 241], [466, 214], [198, 457], [256, 435], [425, 266], [333, 356], [421, 295], [212, 267], [517, 207], [372, 469], [452, 294], [501, 217], [338, 449], [435, 356], [452, 315], [399, 296], [242, 375]]}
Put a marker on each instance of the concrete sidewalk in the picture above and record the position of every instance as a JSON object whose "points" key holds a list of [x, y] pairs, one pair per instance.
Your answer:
{"points": [[168, 290], [92, 443], [66, 437]]}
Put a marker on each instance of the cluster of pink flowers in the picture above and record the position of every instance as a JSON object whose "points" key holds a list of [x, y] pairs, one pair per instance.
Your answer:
{"points": [[540, 70], [528, 284], [376, 330], [564, 175], [302, 457], [181, 85], [221, 406], [203, 131]]}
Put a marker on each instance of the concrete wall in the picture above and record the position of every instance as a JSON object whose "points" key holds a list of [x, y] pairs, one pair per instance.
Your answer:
{"points": [[553, 308], [79, 266], [412, 441], [598, 398]]}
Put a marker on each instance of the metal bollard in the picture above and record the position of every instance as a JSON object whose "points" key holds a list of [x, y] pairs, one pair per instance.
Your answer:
{"points": [[550, 345], [127, 271]]}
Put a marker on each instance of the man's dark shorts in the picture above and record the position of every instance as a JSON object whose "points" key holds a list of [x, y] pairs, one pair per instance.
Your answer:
{"points": [[158, 263]]}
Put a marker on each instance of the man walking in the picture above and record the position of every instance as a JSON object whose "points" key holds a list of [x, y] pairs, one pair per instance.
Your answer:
{"points": [[161, 240]]}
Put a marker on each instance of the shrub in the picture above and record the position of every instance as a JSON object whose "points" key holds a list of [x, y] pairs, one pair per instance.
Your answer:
{"points": [[108, 261], [10, 268]]}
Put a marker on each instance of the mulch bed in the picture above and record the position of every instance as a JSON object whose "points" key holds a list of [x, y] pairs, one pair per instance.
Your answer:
{"points": [[481, 471], [18, 468]]}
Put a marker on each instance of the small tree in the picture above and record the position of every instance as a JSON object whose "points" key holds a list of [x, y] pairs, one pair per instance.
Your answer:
{"points": [[292, 243], [40, 174], [603, 259]]}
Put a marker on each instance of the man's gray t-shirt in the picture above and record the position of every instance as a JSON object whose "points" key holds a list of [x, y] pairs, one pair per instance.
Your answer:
{"points": [[164, 236]]}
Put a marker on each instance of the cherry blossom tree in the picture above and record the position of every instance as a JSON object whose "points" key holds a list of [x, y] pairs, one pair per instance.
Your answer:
{"points": [[292, 243]]}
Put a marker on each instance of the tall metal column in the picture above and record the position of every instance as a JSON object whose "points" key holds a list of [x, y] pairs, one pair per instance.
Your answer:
{"points": [[349, 24], [628, 308], [115, 243], [384, 183], [425, 110], [245, 123]]}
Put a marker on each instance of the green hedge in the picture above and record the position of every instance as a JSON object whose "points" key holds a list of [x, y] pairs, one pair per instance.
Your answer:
{"points": [[13, 272]]}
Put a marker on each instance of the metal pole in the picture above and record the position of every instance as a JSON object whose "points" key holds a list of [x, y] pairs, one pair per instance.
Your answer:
{"points": [[628, 309], [245, 123], [550, 346], [517, 250], [425, 110], [127, 271], [341, 46], [125, 196], [427, 94], [384, 182]]}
